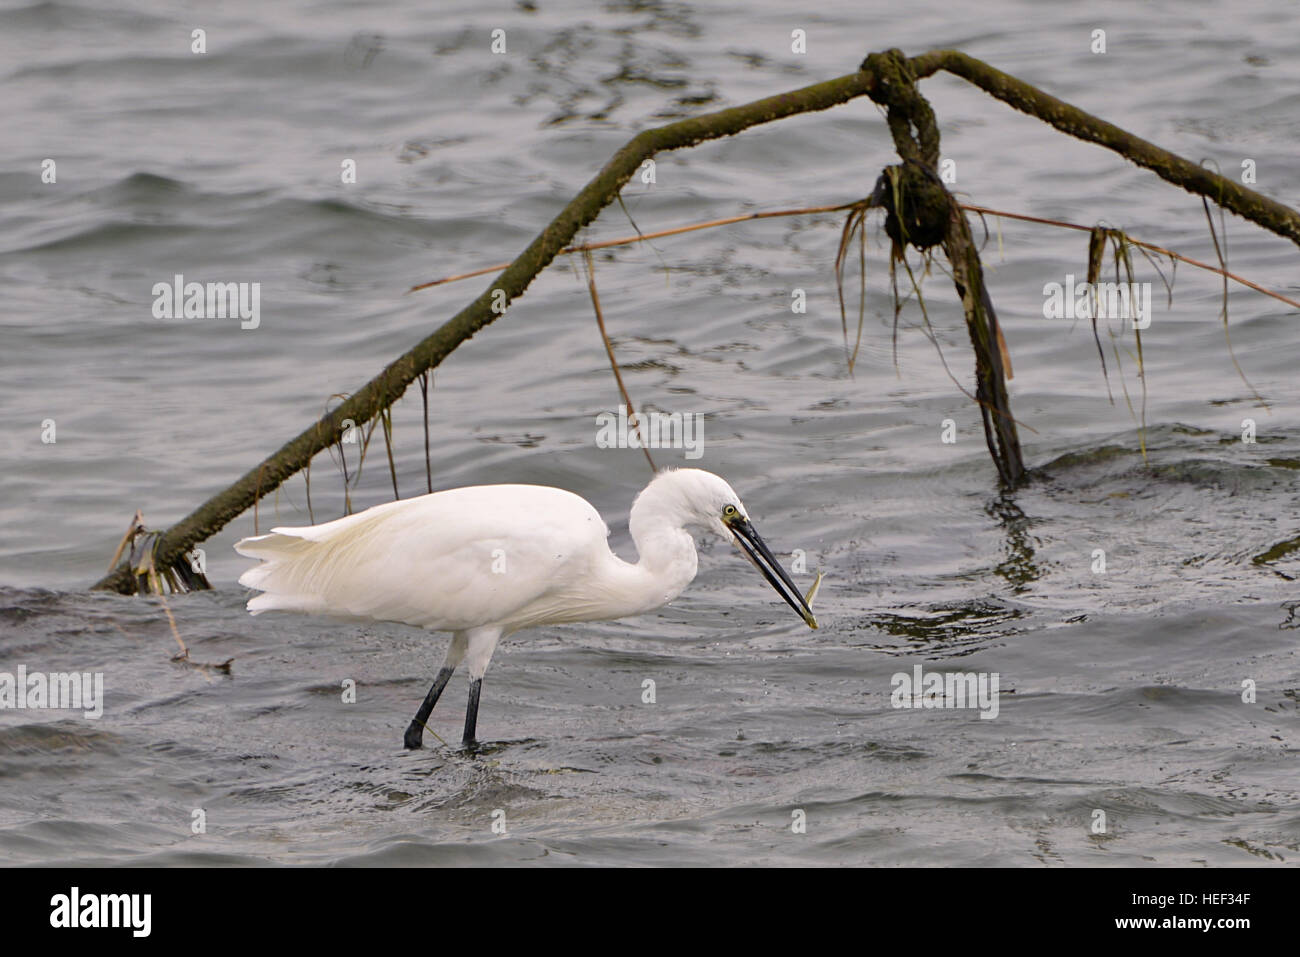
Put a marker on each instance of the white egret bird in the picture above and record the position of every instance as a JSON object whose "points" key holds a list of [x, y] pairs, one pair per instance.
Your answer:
{"points": [[485, 561]]}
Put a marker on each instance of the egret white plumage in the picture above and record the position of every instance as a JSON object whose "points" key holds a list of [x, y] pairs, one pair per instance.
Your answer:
{"points": [[485, 561]]}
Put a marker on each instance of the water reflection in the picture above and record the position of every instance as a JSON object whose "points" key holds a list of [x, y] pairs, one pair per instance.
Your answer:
{"points": [[1018, 568]]}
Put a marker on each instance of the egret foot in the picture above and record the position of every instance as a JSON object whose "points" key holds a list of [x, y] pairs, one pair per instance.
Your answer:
{"points": [[415, 730], [471, 715]]}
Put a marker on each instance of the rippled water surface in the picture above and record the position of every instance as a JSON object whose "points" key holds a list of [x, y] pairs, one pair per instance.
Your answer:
{"points": [[1121, 691]]}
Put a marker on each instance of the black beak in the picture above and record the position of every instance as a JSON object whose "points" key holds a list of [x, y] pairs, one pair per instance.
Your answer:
{"points": [[756, 551]]}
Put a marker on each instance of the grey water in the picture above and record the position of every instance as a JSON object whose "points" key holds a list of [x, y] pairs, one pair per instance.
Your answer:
{"points": [[1147, 712]]}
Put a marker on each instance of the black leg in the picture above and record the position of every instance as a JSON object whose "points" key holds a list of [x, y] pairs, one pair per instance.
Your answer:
{"points": [[415, 730], [471, 713]]}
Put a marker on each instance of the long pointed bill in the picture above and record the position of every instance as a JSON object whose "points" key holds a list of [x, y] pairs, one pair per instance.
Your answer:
{"points": [[757, 552]]}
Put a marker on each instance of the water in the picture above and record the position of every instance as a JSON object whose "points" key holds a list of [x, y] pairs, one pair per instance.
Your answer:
{"points": [[1120, 691]]}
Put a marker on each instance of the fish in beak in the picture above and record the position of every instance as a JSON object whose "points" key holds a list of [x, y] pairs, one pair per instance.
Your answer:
{"points": [[756, 550]]}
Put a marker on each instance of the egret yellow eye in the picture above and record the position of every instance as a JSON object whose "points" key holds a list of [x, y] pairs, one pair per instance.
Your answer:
{"points": [[730, 512]]}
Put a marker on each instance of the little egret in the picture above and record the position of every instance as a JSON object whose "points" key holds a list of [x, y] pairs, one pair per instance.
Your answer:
{"points": [[485, 561]]}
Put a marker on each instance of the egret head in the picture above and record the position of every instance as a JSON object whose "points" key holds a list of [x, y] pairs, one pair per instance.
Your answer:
{"points": [[702, 498]]}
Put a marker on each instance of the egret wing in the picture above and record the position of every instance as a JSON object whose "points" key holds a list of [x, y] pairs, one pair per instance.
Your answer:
{"points": [[447, 561]]}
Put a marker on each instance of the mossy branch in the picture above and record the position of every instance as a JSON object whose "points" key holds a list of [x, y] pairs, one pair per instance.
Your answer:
{"points": [[384, 389], [922, 212], [1194, 178], [389, 386]]}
